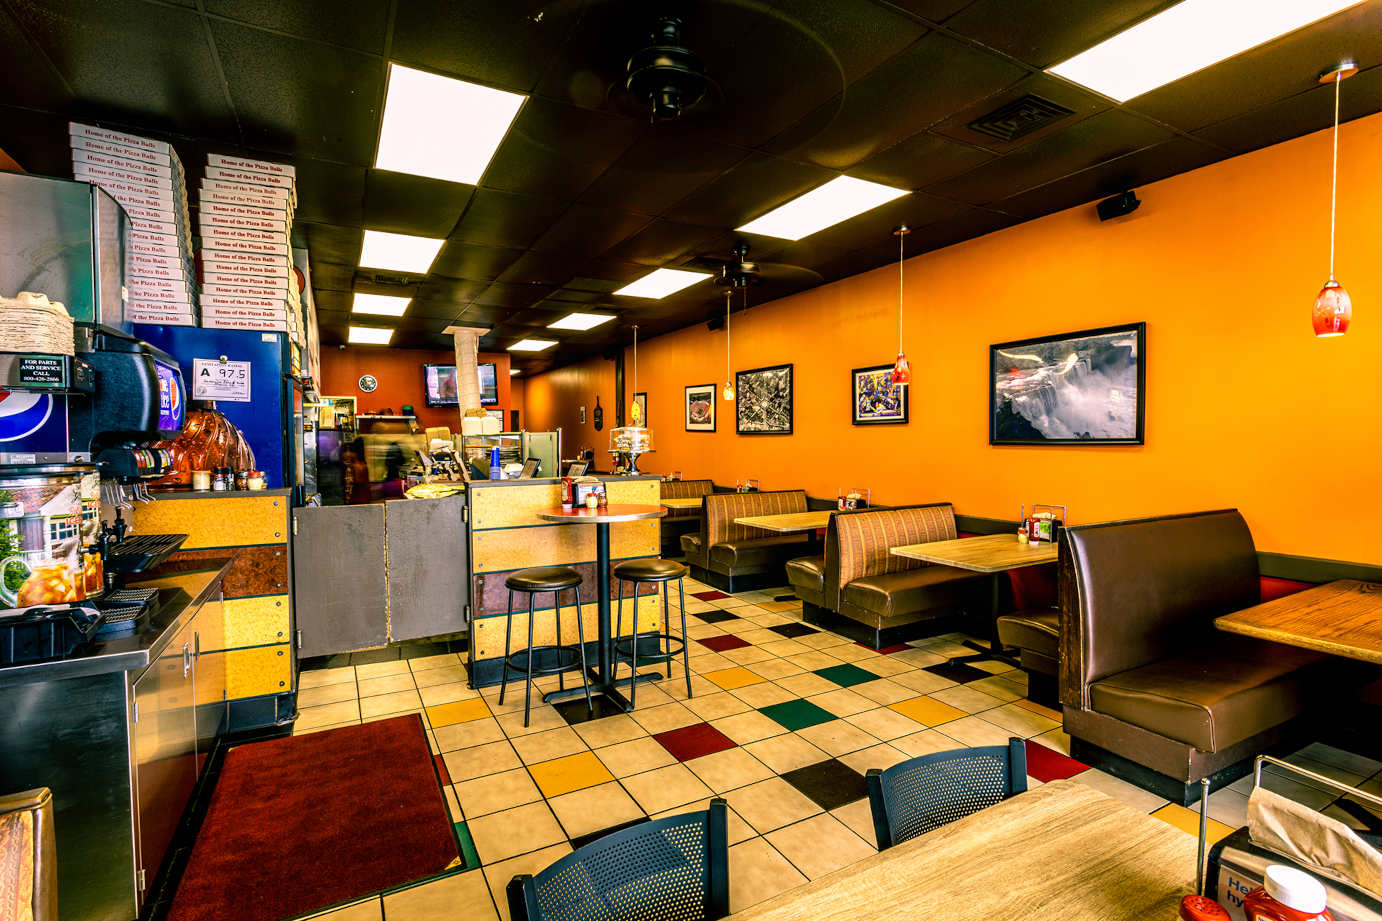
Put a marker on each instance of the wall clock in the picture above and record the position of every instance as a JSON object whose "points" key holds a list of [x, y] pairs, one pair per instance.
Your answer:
{"points": [[368, 384]]}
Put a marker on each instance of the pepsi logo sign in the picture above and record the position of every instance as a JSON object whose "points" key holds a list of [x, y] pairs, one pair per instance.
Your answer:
{"points": [[23, 414]]}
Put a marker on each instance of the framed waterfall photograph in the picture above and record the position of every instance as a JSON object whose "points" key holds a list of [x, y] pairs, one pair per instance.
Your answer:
{"points": [[1081, 388], [763, 401], [700, 408], [876, 399]]}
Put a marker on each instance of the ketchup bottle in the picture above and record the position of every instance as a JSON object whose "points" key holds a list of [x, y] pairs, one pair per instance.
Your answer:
{"points": [[1288, 895]]}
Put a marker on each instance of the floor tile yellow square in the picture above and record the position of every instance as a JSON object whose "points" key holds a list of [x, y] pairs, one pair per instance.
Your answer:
{"points": [[574, 772], [731, 678], [927, 711], [441, 897], [1188, 821], [461, 711]]}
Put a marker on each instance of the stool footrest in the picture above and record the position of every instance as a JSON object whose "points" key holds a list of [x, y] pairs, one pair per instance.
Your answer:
{"points": [[623, 649], [568, 659]]}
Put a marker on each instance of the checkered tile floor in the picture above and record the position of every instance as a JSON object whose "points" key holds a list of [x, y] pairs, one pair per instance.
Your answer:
{"points": [[783, 722]]}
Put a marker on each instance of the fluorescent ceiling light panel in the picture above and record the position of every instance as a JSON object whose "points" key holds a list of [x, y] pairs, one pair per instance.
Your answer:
{"points": [[513, 371], [441, 127], [380, 305], [661, 282], [370, 335], [581, 321], [838, 200], [399, 252], [531, 345], [1189, 36]]}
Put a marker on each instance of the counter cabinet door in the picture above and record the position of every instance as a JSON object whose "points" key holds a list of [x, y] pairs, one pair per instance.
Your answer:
{"points": [[338, 578]]}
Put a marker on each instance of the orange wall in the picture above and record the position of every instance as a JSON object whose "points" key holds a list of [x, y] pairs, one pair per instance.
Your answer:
{"points": [[399, 372], [553, 400], [1245, 407]]}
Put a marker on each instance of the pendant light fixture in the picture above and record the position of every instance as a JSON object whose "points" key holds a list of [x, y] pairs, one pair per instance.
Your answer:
{"points": [[728, 392], [902, 371], [1333, 309], [635, 411]]}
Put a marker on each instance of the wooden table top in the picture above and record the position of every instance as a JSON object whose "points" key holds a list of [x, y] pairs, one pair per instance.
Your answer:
{"points": [[1063, 850], [1342, 618], [788, 523], [990, 553], [688, 502], [609, 514]]}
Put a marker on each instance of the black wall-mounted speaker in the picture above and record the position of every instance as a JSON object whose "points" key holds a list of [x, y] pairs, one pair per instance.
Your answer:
{"points": [[1118, 205]]}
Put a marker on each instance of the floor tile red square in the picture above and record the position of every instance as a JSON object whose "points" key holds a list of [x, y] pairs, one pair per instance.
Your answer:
{"points": [[708, 596], [1047, 764], [886, 650], [694, 741], [723, 643]]}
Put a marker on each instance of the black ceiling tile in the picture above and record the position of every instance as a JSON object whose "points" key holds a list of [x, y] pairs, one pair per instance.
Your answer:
{"points": [[1102, 137], [370, 281], [29, 78], [540, 270], [919, 161], [301, 98], [500, 294], [1268, 73], [904, 95], [598, 285], [1081, 103], [1300, 114], [331, 193], [661, 243], [1128, 172], [442, 308], [915, 210], [331, 301], [1062, 29], [752, 188], [333, 243], [139, 63], [497, 218], [331, 276], [585, 231], [571, 296], [473, 261], [503, 44], [37, 141], [416, 205], [933, 10], [974, 222], [558, 150], [358, 24], [659, 171]]}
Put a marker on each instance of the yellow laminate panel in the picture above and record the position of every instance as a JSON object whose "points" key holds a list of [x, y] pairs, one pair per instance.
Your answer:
{"points": [[633, 492], [218, 522], [257, 621], [511, 506], [560, 545], [487, 633], [259, 671]]}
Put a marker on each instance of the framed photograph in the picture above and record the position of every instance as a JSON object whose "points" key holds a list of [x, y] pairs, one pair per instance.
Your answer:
{"points": [[763, 401], [877, 400], [1083, 388], [641, 401], [700, 408], [582, 415]]}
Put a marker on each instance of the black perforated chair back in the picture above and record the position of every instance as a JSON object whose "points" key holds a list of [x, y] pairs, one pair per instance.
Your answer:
{"points": [[917, 796], [673, 869]]}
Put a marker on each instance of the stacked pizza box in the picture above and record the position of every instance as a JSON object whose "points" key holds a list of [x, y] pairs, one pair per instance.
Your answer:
{"points": [[245, 213], [147, 179]]}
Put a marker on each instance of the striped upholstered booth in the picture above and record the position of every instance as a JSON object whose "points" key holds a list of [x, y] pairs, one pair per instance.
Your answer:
{"points": [[882, 591], [28, 858], [685, 489], [729, 556]]}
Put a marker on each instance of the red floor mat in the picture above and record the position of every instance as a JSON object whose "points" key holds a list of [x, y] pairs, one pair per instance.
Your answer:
{"points": [[304, 822]]}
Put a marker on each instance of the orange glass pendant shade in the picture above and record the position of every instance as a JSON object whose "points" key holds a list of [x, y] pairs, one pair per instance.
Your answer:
{"points": [[1333, 310], [727, 394], [902, 371]]}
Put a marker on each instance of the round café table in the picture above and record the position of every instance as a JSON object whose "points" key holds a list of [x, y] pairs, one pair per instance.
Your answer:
{"points": [[601, 677]]}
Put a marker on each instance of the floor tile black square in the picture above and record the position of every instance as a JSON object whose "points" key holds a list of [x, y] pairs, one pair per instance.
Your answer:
{"points": [[829, 784], [574, 710], [958, 671], [583, 840], [793, 630], [714, 617]]}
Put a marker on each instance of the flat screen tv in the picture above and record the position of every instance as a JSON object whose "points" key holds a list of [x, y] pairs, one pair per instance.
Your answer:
{"points": [[439, 383]]}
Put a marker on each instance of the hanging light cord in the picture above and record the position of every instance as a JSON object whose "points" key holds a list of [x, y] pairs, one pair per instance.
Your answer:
{"points": [[901, 249], [1334, 183], [635, 358], [728, 296]]}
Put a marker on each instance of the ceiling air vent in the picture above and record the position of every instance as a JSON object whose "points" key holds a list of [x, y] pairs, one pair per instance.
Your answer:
{"points": [[1019, 118], [387, 279]]}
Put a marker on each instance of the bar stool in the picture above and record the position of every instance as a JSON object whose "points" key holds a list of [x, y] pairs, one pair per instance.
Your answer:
{"points": [[554, 579], [640, 572]]}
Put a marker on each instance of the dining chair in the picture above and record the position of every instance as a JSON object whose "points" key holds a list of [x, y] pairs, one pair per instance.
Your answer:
{"points": [[917, 796], [672, 869]]}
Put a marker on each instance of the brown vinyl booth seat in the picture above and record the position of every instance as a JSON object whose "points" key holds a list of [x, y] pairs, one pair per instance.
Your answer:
{"points": [[1145, 676], [1033, 629], [732, 556], [680, 521], [859, 578], [28, 856]]}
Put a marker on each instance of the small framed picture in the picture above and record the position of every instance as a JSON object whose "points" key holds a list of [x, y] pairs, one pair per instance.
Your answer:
{"points": [[763, 401], [877, 400], [582, 415], [700, 408]]}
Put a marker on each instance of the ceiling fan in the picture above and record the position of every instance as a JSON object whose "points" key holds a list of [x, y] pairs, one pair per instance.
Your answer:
{"points": [[737, 271]]}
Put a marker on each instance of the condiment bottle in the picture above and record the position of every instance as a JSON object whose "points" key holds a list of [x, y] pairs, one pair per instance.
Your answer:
{"points": [[1288, 894], [201, 480], [220, 482], [1202, 908], [1023, 524]]}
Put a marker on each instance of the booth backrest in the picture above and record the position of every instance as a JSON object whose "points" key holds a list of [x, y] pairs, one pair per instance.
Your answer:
{"points": [[686, 489], [867, 536], [722, 508], [1134, 592]]}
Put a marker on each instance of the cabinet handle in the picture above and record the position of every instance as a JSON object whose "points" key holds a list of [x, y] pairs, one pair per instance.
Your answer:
{"points": [[196, 645], [186, 659]]}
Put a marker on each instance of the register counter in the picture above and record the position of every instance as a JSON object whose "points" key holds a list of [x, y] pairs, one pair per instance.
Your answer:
{"points": [[120, 732]]}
